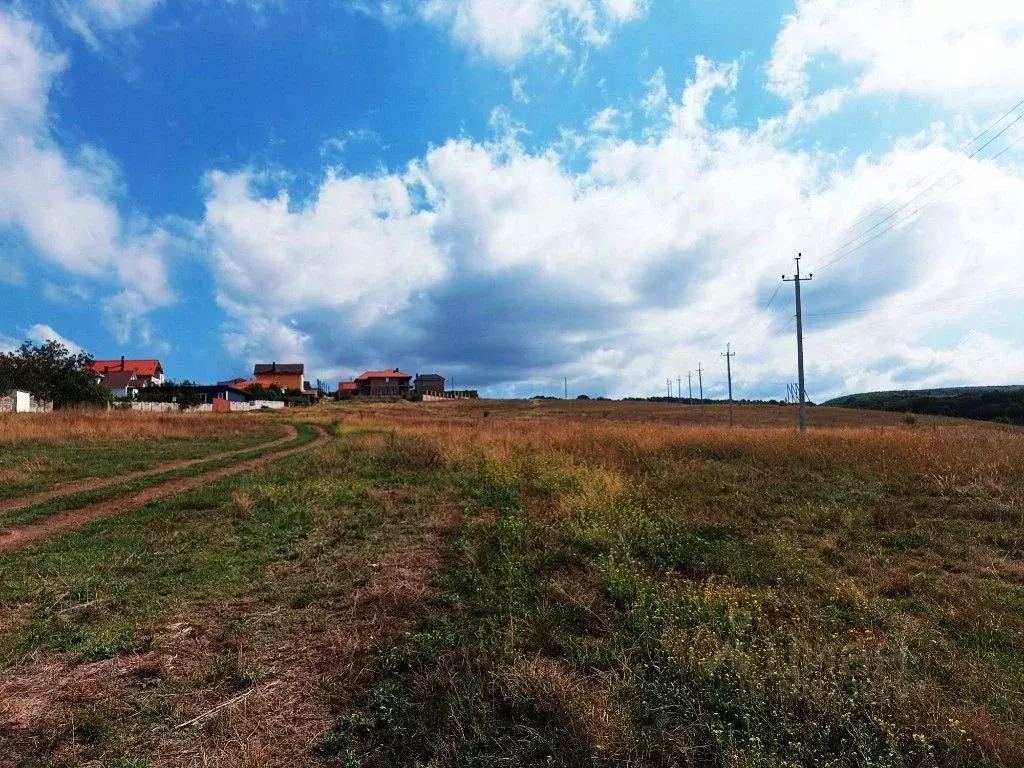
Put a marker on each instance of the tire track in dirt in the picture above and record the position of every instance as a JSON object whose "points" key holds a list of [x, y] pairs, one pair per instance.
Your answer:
{"points": [[73, 519], [97, 483]]}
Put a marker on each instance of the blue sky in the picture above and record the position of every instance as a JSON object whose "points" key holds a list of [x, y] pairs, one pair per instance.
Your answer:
{"points": [[516, 192]]}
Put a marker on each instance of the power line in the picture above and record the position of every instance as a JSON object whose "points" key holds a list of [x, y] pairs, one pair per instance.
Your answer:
{"points": [[927, 176], [930, 187], [920, 313], [957, 300]]}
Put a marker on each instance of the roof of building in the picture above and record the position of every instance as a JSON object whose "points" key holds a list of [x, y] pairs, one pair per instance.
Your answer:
{"points": [[347, 386], [429, 376], [141, 367], [119, 379], [272, 368], [394, 373]]}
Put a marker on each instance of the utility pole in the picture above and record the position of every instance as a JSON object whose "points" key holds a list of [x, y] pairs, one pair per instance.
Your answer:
{"points": [[796, 280], [689, 383], [668, 385], [700, 384], [729, 355], [679, 387], [565, 382]]}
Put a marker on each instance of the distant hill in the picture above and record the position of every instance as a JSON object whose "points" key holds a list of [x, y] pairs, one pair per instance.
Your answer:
{"points": [[1004, 404]]}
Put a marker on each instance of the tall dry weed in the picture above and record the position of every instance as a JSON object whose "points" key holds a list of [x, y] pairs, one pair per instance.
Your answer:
{"points": [[108, 426]]}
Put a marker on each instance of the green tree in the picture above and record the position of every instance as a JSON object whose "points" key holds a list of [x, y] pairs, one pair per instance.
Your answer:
{"points": [[184, 394], [273, 392], [51, 372]]}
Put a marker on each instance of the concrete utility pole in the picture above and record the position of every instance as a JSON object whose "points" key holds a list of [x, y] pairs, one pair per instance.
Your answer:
{"points": [[796, 280], [565, 382], [689, 383], [679, 387], [668, 385], [729, 355], [700, 384]]}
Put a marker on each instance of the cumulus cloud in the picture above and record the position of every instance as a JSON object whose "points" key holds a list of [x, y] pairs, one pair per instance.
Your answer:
{"points": [[960, 53], [361, 251], [512, 267], [63, 204], [40, 334]]}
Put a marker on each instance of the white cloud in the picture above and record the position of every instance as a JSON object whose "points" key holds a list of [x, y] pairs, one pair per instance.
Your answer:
{"points": [[508, 31], [94, 18], [63, 205], [632, 269], [40, 334], [657, 92], [519, 90], [961, 53], [710, 77], [608, 120], [65, 294], [27, 69], [360, 249]]}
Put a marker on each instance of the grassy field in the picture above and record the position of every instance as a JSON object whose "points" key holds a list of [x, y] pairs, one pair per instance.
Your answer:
{"points": [[543, 583], [57, 447]]}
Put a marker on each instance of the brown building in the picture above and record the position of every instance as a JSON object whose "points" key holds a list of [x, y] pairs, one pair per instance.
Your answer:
{"points": [[284, 375], [429, 384], [392, 383]]}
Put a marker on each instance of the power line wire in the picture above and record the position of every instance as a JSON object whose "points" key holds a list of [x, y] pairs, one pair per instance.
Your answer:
{"points": [[914, 199], [929, 304], [927, 176], [904, 219], [921, 312]]}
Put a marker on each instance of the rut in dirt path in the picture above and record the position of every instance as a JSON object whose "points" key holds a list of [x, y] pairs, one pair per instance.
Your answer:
{"points": [[96, 483], [77, 518]]}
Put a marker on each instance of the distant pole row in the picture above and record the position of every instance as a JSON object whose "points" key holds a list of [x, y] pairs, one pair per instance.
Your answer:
{"points": [[794, 392]]}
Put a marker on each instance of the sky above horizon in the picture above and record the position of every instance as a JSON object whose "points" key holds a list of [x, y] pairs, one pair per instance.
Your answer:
{"points": [[514, 193]]}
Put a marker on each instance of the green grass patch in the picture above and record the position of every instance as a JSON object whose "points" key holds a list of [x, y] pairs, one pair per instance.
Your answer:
{"points": [[306, 434], [33, 466]]}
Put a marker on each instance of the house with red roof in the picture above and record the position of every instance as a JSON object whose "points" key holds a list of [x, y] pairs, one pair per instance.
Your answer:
{"points": [[147, 373], [390, 383]]}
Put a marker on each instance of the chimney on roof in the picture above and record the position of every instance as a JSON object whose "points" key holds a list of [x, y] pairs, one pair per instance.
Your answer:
{"points": [[122, 362], [273, 367]]}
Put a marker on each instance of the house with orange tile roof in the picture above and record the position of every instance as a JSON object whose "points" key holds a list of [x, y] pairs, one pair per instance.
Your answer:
{"points": [[148, 372]]}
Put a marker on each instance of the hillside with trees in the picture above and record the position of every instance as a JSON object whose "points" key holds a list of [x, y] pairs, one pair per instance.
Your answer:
{"points": [[1000, 404]]}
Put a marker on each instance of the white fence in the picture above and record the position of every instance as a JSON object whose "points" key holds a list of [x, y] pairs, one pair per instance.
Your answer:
{"points": [[153, 407], [458, 395], [17, 401], [255, 405]]}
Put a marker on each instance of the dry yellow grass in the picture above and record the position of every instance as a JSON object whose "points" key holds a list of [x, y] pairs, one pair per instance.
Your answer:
{"points": [[107, 426]]}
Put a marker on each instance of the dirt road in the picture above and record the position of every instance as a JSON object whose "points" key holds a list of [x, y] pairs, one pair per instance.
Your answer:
{"points": [[96, 483], [76, 518]]}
